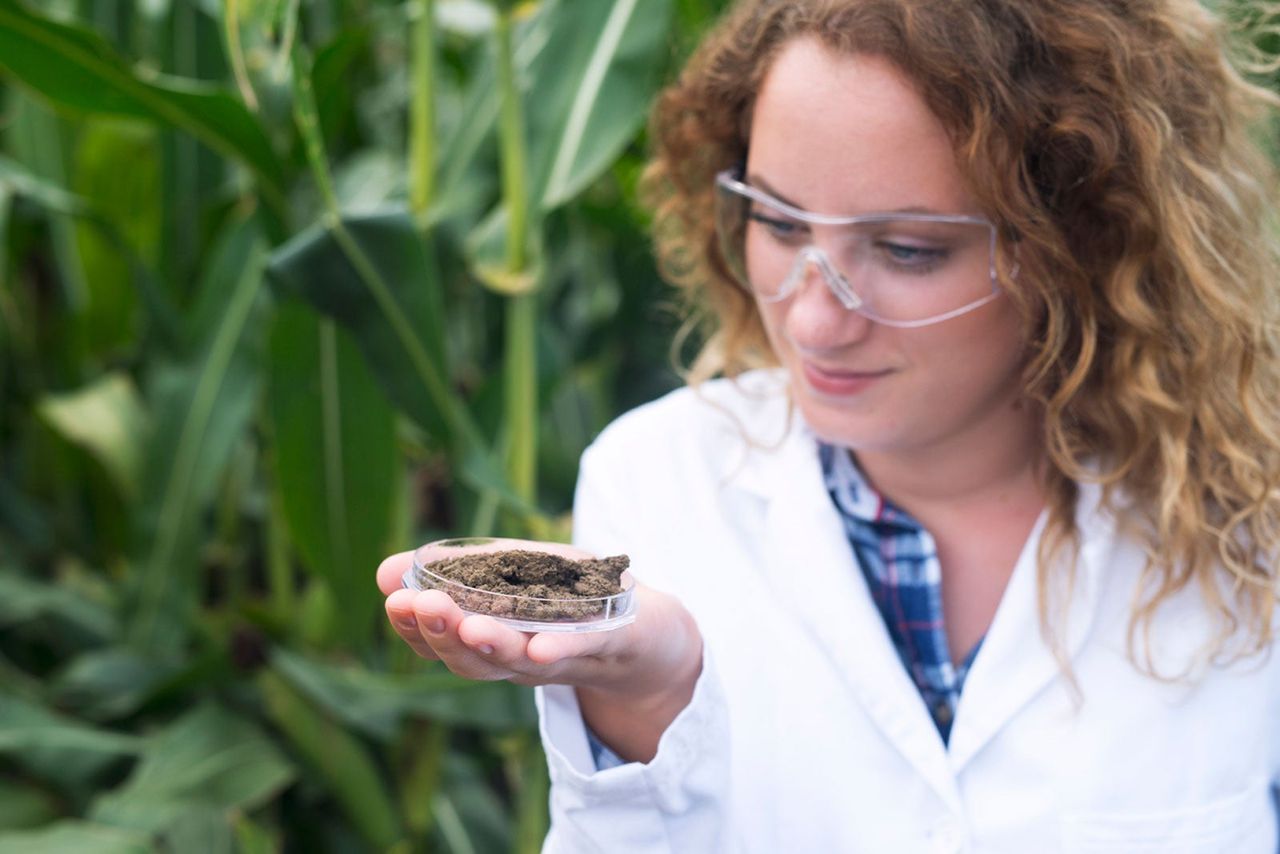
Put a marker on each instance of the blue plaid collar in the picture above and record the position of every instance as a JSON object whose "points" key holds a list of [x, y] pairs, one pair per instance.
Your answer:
{"points": [[899, 561]]}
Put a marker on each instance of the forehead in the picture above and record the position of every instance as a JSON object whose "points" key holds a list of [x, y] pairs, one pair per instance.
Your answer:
{"points": [[841, 133]]}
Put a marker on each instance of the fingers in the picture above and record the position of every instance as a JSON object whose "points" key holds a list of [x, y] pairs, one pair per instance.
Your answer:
{"points": [[440, 619], [403, 619], [391, 572], [500, 646]]}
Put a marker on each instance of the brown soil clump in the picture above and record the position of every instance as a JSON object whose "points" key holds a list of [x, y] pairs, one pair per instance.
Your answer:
{"points": [[534, 575]]}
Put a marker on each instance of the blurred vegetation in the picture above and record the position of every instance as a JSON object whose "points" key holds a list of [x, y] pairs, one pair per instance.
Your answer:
{"points": [[287, 286]]}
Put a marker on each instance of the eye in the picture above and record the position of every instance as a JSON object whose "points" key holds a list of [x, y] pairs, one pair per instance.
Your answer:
{"points": [[917, 259], [781, 229]]}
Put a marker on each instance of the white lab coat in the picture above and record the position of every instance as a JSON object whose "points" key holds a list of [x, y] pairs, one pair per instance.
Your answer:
{"points": [[805, 733]]}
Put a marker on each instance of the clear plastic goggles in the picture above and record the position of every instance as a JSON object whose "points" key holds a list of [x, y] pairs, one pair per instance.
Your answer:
{"points": [[900, 269]]}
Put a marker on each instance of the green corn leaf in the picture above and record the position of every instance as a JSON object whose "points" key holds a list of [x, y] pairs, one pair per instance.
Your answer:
{"points": [[467, 18], [201, 407], [336, 460], [75, 68], [75, 837], [377, 703], [424, 748], [55, 748], [38, 140], [6, 205], [466, 178], [254, 838], [530, 767], [469, 817], [22, 181], [450, 826], [199, 829], [110, 682], [23, 805], [27, 728], [335, 62], [486, 248], [337, 758], [128, 203], [26, 600], [207, 759], [593, 86], [592, 80], [107, 419], [96, 226], [400, 333]]}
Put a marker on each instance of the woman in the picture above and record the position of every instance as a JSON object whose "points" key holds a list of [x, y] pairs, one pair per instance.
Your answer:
{"points": [[982, 556]]}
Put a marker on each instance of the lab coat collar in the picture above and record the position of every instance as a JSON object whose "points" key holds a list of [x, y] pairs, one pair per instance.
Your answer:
{"points": [[805, 537], [1015, 663]]}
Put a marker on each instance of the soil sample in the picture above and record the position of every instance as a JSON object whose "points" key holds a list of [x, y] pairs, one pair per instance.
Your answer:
{"points": [[533, 577]]}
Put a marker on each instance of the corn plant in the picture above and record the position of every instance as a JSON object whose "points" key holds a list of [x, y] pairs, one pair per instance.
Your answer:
{"points": [[285, 287]]}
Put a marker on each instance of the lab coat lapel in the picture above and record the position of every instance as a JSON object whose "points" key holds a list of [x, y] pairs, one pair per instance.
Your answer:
{"points": [[805, 539], [1014, 663]]}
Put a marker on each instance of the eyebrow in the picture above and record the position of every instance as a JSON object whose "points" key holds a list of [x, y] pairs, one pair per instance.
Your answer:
{"points": [[761, 183]]}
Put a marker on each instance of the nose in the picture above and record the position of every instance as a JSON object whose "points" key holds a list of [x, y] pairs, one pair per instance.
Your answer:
{"points": [[818, 312], [810, 259]]}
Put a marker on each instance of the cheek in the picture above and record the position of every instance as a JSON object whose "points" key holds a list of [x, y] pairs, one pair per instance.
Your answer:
{"points": [[982, 357]]}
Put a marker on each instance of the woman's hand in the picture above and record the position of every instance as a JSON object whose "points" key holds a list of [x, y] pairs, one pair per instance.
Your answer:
{"points": [[631, 681]]}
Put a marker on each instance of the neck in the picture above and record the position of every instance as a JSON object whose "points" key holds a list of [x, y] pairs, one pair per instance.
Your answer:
{"points": [[997, 461]]}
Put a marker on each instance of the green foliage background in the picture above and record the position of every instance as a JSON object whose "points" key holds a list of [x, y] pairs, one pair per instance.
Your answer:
{"points": [[284, 287], [287, 287]]}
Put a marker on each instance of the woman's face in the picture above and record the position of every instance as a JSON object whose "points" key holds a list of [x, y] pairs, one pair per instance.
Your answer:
{"points": [[848, 135]]}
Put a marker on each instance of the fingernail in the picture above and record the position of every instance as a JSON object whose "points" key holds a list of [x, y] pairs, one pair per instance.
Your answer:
{"points": [[485, 649], [435, 625], [407, 623]]}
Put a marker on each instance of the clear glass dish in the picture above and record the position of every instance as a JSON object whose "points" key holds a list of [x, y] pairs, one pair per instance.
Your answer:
{"points": [[526, 613]]}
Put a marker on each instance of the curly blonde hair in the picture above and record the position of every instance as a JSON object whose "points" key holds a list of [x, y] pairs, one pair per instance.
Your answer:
{"points": [[1117, 144]]}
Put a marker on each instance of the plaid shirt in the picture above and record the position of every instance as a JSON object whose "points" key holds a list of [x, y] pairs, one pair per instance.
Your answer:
{"points": [[900, 562]]}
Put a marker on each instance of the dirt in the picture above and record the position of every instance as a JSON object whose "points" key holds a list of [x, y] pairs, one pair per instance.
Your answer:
{"points": [[535, 575]]}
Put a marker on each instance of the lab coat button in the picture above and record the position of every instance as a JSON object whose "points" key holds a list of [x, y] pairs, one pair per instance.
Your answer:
{"points": [[947, 838]]}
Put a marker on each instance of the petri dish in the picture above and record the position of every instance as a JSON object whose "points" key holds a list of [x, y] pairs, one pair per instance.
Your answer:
{"points": [[526, 613]]}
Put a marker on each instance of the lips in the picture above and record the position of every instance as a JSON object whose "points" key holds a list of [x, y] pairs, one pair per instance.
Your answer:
{"points": [[840, 383]]}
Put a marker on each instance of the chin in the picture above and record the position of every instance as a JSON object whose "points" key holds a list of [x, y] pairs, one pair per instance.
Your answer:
{"points": [[838, 426]]}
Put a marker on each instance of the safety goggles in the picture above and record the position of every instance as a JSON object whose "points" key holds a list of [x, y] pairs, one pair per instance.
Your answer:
{"points": [[899, 269]]}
